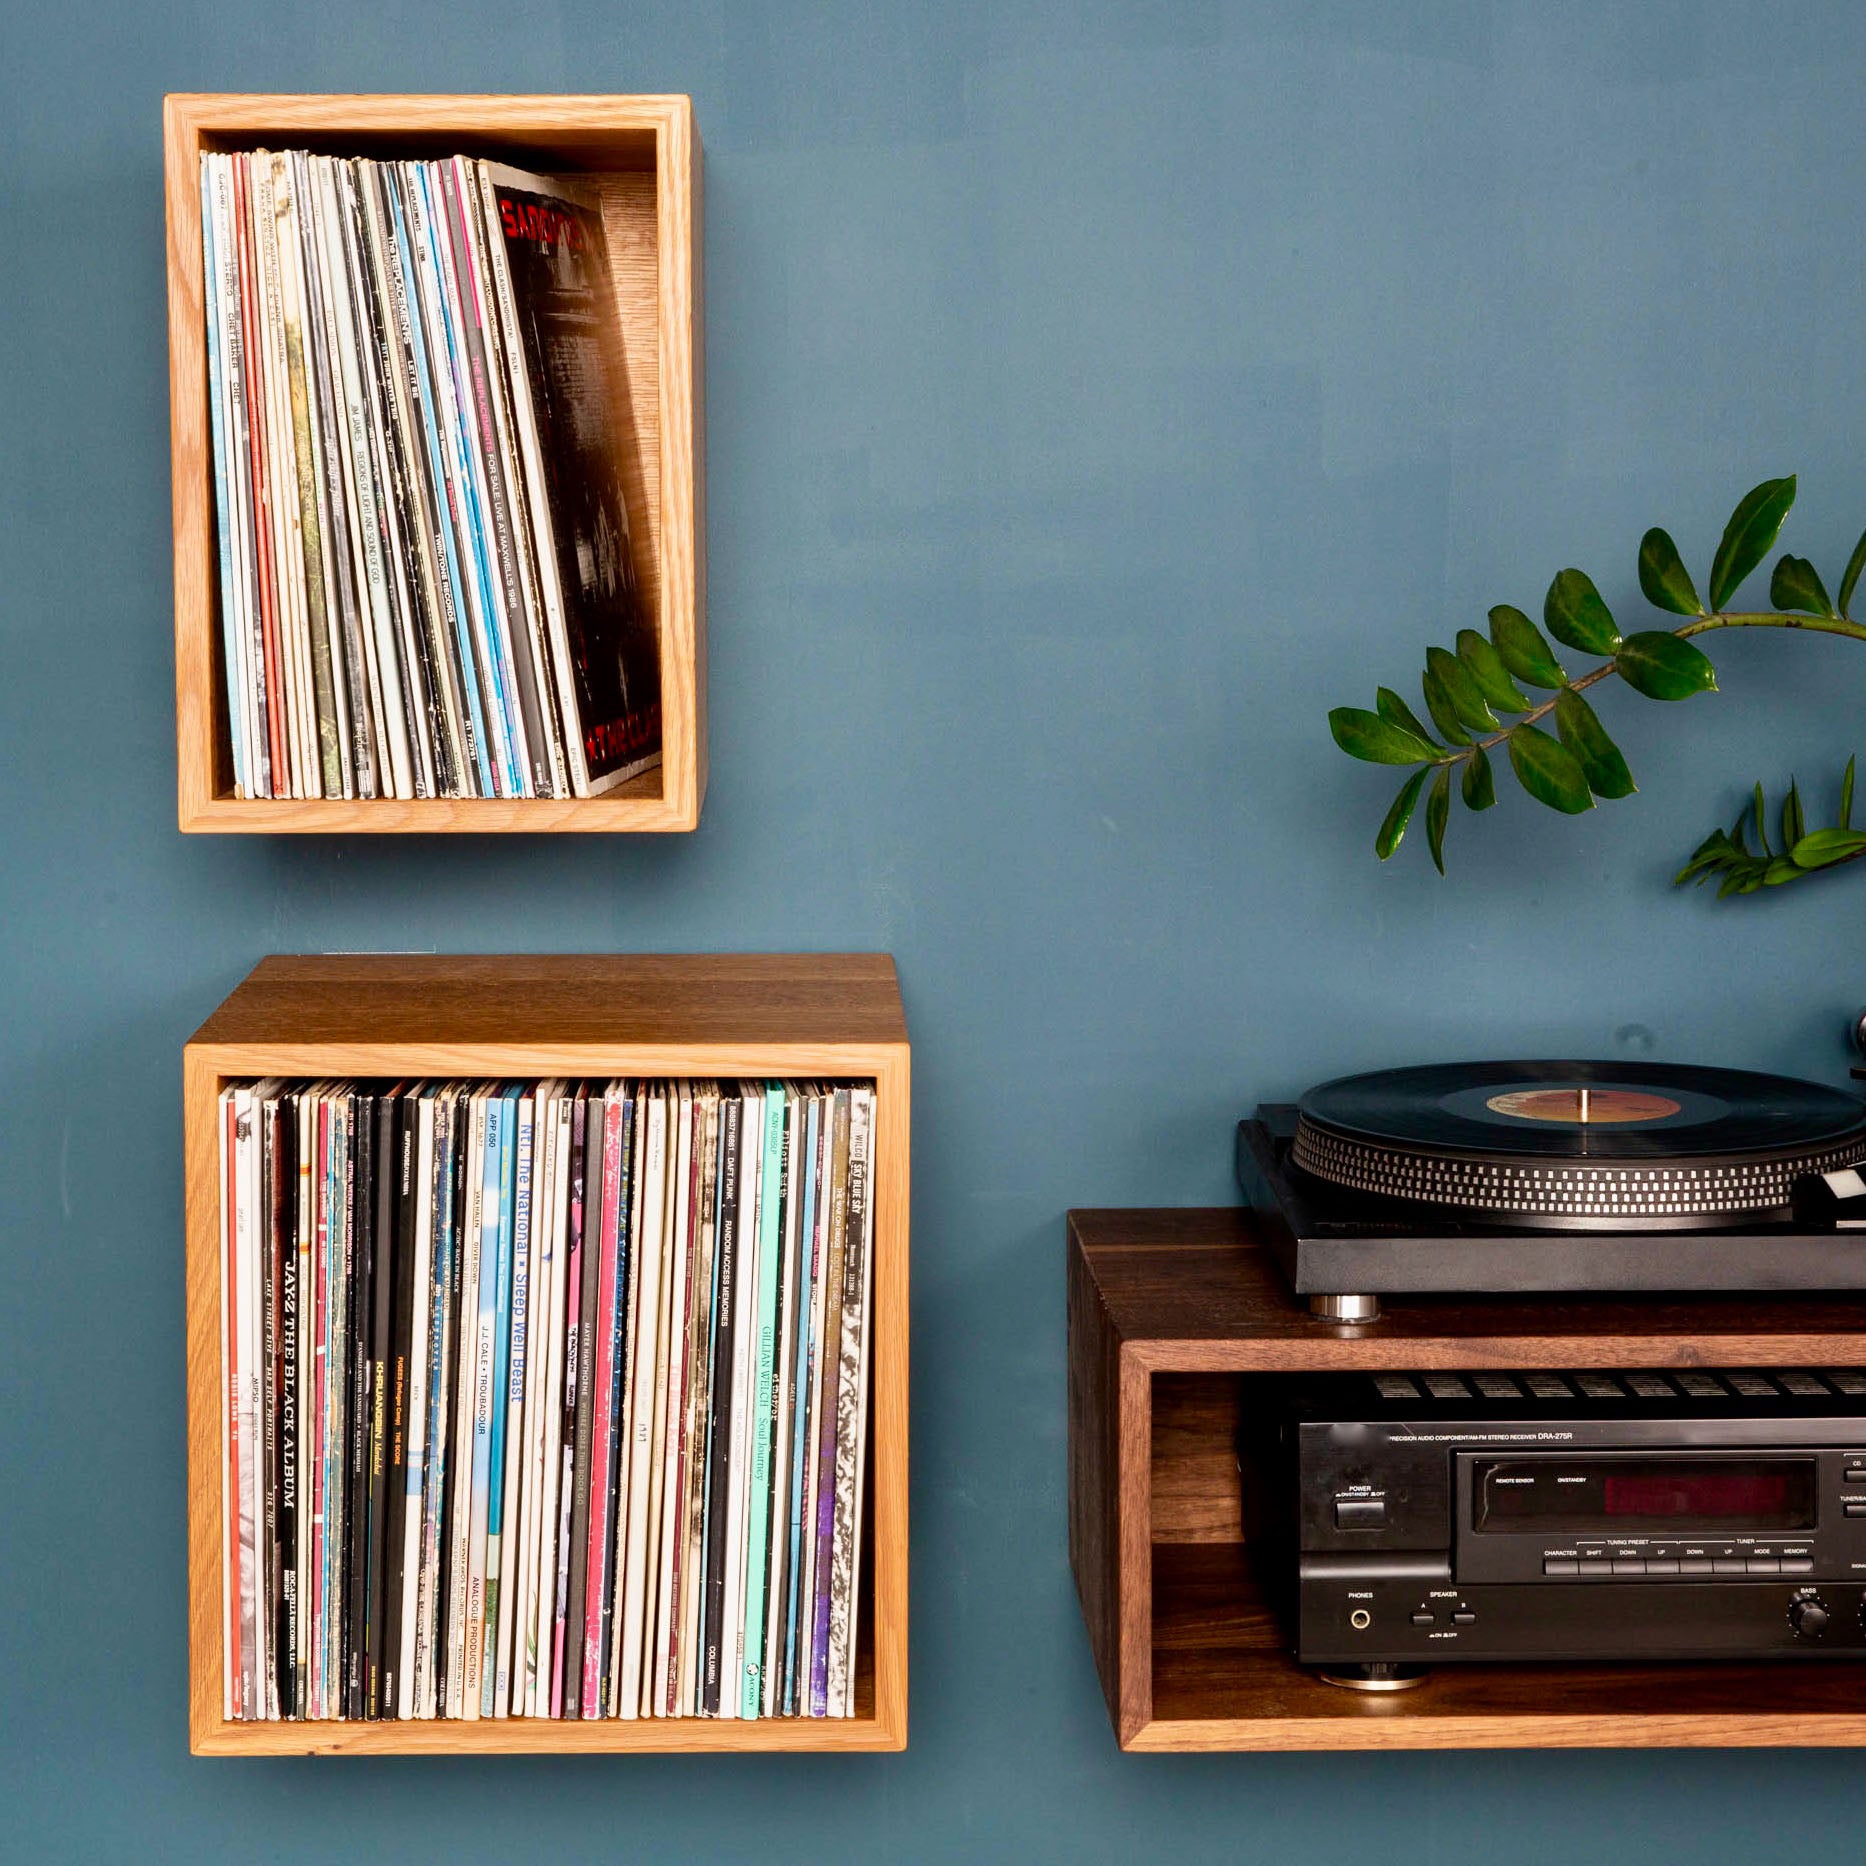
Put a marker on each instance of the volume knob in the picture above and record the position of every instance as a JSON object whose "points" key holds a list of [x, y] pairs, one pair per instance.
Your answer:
{"points": [[1808, 1615]]}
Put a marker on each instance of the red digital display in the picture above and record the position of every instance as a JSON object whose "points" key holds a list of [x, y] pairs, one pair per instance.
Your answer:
{"points": [[1708, 1495], [1568, 1493]]}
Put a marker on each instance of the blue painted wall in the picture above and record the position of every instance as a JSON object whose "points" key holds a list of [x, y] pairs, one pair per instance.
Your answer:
{"points": [[1098, 393]]}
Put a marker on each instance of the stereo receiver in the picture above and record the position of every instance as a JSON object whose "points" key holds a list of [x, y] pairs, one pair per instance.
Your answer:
{"points": [[1404, 1520]]}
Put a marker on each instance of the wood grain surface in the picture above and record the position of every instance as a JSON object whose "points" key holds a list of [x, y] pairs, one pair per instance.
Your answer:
{"points": [[825, 1014], [642, 157], [1172, 1313], [1189, 1290]]}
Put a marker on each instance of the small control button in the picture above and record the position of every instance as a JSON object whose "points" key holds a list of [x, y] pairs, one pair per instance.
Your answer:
{"points": [[1854, 1509], [1594, 1567], [1854, 1474], [1757, 1565], [1464, 1617], [1424, 1619], [1360, 1512], [1797, 1567], [1695, 1564], [1629, 1567], [1661, 1567], [1729, 1567], [1560, 1567]]}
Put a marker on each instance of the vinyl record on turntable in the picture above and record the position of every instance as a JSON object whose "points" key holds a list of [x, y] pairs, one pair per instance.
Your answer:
{"points": [[1579, 1145]]}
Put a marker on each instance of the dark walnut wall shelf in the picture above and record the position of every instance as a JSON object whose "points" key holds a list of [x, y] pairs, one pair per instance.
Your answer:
{"points": [[835, 1015], [1171, 1313]]}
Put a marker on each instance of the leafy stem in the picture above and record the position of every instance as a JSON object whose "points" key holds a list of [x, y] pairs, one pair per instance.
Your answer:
{"points": [[1757, 618], [1466, 692], [1777, 618]]}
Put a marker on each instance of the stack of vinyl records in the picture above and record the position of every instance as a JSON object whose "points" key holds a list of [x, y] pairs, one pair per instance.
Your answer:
{"points": [[427, 587], [544, 1399]]}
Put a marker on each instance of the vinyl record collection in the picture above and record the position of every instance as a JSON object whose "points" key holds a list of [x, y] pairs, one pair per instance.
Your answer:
{"points": [[416, 396], [544, 1399]]}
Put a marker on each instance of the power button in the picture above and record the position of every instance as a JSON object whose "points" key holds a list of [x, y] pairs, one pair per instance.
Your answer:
{"points": [[1360, 1512]]}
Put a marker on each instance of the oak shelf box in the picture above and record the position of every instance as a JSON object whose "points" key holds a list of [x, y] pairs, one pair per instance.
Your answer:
{"points": [[1171, 1314], [642, 155], [666, 1015]]}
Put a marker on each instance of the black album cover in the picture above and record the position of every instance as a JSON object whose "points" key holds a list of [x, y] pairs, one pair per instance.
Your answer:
{"points": [[396, 1401], [357, 1425], [569, 397], [281, 1167]]}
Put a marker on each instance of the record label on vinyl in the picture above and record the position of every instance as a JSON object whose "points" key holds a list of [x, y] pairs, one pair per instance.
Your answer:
{"points": [[1582, 1106]]}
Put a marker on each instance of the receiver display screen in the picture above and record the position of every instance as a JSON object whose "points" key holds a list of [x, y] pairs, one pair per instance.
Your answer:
{"points": [[1632, 1495]]}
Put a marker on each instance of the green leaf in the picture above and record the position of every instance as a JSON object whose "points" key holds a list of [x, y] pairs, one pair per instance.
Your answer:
{"points": [[1762, 822], [1396, 712], [1523, 650], [1797, 585], [1780, 870], [1444, 713], [1575, 615], [1480, 786], [1399, 816], [1584, 735], [1824, 847], [1662, 667], [1663, 577], [1461, 688], [1711, 853], [1362, 734], [1437, 814], [1549, 771], [1794, 819], [1487, 669], [1855, 564], [1747, 538], [1846, 794]]}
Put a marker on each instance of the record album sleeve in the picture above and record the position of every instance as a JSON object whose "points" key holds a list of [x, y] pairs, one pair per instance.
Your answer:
{"points": [[551, 271]]}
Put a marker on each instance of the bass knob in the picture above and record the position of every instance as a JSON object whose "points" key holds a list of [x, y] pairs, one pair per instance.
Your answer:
{"points": [[1808, 1615]]}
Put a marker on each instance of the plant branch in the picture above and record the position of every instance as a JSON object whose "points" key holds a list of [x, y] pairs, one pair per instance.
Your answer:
{"points": [[1496, 689], [1776, 618], [1535, 712], [1755, 618]]}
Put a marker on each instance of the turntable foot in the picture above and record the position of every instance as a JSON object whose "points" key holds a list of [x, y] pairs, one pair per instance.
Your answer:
{"points": [[1375, 1677], [1345, 1308]]}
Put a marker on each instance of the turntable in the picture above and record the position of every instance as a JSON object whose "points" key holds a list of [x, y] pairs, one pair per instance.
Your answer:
{"points": [[1558, 1176]]}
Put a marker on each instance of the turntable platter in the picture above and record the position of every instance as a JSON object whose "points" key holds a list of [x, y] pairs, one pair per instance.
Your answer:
{"points": [[1580, 1145]]}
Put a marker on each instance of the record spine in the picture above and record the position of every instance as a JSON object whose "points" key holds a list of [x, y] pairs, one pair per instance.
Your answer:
{"points": [[714, 1683], [388, 1127], [362, 1300]]}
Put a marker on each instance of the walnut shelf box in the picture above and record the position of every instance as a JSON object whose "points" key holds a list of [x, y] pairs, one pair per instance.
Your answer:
{"points": [[642, 157], [659, 1015], [1171, 1315]]}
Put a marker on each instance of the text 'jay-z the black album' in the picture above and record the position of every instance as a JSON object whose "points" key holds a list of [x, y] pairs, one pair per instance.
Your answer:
{"points": [[1558, 1176]]}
